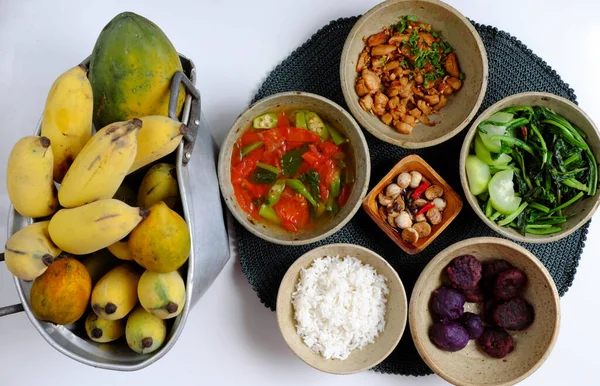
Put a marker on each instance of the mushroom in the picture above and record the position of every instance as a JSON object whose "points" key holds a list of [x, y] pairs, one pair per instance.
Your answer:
{"points": [[434, 191], [403, 180], [384, 200], [419, 203], [415, 179], [410, 235], [393, 191], [434, 216], [392, 220], [420, 218], [397, 206], [439, 203], [403, 220], [422, 228]]}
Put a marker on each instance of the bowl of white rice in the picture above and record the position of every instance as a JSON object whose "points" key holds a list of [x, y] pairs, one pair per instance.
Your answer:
{"points": [[341, 308]]}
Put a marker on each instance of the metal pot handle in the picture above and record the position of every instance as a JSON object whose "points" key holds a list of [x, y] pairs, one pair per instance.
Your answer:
{"points": [[15, 308], [193, 122]]}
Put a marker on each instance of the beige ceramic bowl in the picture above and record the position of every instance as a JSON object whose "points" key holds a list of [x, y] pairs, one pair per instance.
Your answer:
{"points": [[582, 210], [341, 121], [472, 59], [370, 355], [471, 366]]}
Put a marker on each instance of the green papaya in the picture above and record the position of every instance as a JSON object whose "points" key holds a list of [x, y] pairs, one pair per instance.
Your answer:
{"points": [[131, 69]]}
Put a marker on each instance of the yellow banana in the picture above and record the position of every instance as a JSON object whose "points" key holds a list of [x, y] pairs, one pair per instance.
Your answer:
{"points": [[120, 249], [102, 330], [159, 184], [67, 118], [29, 177], [94, 226], [29, 252], [115, 294], [158, 137], [101, 166]]}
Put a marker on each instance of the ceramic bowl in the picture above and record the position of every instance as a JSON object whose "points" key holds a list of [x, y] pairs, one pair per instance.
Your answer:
{"points": [[472, 366], [370, 355], [472, 59], [341, 121], [581, 211], [407, 164]]}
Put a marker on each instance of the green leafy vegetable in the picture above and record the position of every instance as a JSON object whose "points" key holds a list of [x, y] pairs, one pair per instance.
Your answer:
{"points": [[261, 176], [291, 161], [312, 178]]}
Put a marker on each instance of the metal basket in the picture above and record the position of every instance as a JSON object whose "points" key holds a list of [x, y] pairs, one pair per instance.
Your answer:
{"points": [[195, 160]]}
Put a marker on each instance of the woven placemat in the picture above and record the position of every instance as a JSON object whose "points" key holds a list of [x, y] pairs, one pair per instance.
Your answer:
{"points": [[314, 67]]}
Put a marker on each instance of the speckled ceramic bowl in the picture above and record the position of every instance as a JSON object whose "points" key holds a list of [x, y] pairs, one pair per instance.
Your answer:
{"points": [[370, 355], [472, 59], [582, 210], [340, 120], [471, 366]]}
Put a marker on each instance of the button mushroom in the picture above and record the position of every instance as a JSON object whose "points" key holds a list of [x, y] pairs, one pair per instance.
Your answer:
{"points": [[422, 228], [403, 180], [393, 191], [434, 216], [419, 203], [434, 191], [439, 203], [384, 200], [410, 235], [403, 221], [415, 179], [420, 217]]}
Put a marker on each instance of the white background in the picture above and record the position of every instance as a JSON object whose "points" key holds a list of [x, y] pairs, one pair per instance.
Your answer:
{"points": [[230, 338]]}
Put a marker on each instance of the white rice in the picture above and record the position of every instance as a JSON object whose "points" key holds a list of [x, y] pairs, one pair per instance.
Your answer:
{"points": [[339, 305]]}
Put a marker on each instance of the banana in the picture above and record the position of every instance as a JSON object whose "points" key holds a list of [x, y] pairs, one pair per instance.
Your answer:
{"points": [[67, 119], [29, 177], [115, 294], [29, 252], [120, 249], [159, 184], [93, 226], [158, 137], [101, 166], [144, 332], [102, 330]]}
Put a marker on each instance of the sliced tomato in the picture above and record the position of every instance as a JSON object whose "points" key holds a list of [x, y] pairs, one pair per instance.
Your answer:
{"points": [[329, 149], [311, 158], [249, 137], [304, 167], [255, 191], [282, 120], [244, 168], [245, 200], [323, 190], [302, 135], [293, 209], [328, 171]]}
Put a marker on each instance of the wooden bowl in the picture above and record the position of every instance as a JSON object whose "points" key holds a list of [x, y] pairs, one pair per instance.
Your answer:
{"points": [[472, 366], [472, 58], [370, 355], [408, 164], [582, 210], [342, 121]]}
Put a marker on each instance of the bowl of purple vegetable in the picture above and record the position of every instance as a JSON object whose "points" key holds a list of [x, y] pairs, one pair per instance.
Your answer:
{"points": [[484, 311], [529, 169]]}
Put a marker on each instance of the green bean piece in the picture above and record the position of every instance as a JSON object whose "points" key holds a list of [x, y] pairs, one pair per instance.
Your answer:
{"points": [[299, 187], [271, 168], [275, 192], [268, 213], [253, 146], [337, 138]]}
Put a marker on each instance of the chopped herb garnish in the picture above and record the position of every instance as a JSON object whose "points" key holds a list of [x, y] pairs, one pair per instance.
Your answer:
{"points": [[383, 60], [399, 27], [410, 18], [435, 35], [462, 76]]}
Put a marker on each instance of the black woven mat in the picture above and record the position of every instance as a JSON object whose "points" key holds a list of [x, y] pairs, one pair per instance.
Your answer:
{"points": [[314, 67]]}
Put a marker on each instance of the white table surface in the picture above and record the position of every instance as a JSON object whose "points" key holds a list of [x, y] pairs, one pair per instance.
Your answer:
{"points": [[230, 337]]}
